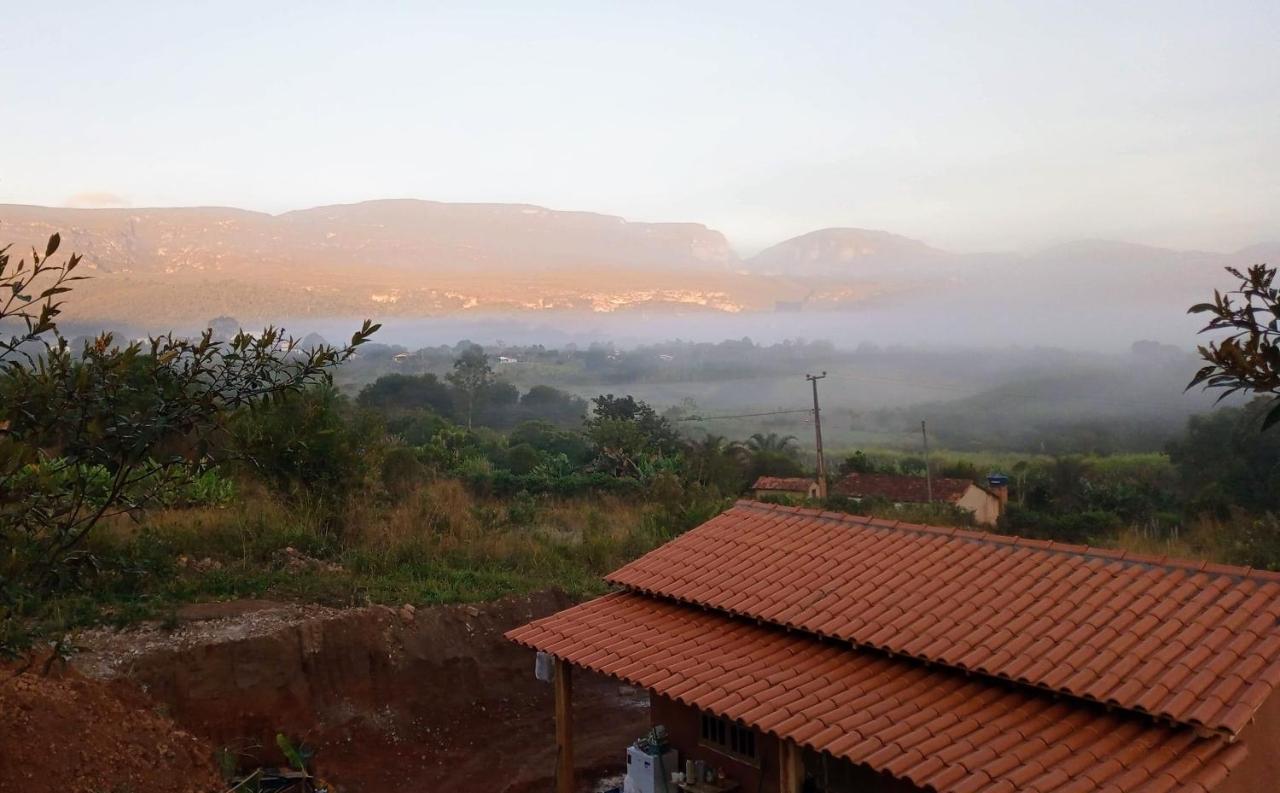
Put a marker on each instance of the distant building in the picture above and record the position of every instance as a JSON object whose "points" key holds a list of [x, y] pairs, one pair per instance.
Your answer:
{"points": [[400, 357], [792, 487], [985, 503], [507, 359]]}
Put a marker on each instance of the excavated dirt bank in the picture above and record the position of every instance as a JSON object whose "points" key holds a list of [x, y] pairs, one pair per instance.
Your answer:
{"points": [[390, 700], [60, 732]]}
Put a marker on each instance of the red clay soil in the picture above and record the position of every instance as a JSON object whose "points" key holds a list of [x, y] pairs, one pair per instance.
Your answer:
{"points": [[390, 700], [61, 733]]}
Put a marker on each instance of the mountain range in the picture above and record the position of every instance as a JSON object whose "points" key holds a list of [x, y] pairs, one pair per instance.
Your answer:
{"points": [[409, 258]]}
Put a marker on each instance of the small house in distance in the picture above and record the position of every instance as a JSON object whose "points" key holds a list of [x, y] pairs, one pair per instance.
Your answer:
{"points": [[985, 503], [785, 488], [788, 649]]}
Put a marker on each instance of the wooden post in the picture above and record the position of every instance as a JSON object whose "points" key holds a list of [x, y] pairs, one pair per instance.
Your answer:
{"points": [[790, 767], [564, 727], [817, 435]]}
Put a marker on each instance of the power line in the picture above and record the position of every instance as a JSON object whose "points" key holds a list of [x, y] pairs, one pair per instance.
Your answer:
{"points": [[996, 390], [967, 390], [743, 415]]}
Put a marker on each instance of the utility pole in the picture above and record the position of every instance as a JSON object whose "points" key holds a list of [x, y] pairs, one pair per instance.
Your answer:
{"points": [[928, 474], [817, 431]]}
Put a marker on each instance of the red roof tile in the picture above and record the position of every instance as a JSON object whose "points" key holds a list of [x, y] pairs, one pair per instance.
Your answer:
{"points": [[939, 729], [1145, 634], [901, 489], [790, 484]]}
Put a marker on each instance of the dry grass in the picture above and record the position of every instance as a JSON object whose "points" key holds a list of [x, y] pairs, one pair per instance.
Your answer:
{"points": [[1241, 539], [437, 543], [1176, 546]]}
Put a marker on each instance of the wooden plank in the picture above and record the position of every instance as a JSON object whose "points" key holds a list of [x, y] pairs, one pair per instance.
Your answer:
{"points": [[790, 767], [564, 727]]}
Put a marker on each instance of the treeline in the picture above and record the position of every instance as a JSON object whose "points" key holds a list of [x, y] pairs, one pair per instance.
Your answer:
{"points": [[604, 362], [1214, 492], [403, 429]]}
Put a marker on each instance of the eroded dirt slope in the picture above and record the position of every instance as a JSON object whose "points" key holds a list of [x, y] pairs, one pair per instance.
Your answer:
{"points": [[391, 700], [62, 733]]}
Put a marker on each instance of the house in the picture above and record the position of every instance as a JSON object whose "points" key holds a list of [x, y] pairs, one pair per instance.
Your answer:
{"points": [[785, 487], [985, 503], [797, 649]]}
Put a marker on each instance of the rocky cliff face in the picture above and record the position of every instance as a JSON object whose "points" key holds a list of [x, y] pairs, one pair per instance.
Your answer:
{"points": [[409, 258], [173, 268]]}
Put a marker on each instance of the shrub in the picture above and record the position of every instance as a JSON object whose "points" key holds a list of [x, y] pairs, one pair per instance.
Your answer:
{"points": [[401, 471], [314, 442], [523, 459], [1088, 527]]}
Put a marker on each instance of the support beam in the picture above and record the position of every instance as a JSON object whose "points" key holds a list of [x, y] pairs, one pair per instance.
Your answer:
{"points": [[564, 727], [790, 767]]}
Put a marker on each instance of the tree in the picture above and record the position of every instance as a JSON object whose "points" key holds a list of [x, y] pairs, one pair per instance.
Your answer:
{"points": [[629, 435], [1248, 359], [772, 442], [857, 463], [471, 375], [497, 404], [99, 432], [552, 404], [397, 392], [715, 462], [310, 443], [551, 440], [654, 429], [1224, 461]]}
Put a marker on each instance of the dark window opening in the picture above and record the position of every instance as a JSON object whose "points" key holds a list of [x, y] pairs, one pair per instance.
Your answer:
{"points": [[730, 737]]}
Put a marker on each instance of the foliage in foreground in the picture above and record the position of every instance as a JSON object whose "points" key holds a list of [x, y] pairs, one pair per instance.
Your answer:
{"points": [[110, 429], [1248, 357]]}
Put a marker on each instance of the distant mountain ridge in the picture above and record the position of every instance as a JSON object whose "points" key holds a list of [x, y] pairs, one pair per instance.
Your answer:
{"points": [[434, 234], [840, 252], [411, 258], [390, 257]]}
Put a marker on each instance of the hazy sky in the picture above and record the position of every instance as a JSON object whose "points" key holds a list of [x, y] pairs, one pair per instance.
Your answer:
{"points": [[969, 125]]}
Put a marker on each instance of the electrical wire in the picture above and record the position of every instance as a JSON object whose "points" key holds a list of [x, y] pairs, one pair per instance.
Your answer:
{"points": [[744, 415], [968, 390], [998, 390]]}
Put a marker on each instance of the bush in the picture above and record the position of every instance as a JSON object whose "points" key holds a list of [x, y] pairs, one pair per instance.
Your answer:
{"points": [[416, 427], [314, 442], [522, 459], [1092, 527], [401, 471], [549, 439]]}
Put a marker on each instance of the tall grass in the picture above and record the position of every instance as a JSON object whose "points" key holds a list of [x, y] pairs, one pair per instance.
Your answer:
{"points": [[1240, 538], [434, 544]]}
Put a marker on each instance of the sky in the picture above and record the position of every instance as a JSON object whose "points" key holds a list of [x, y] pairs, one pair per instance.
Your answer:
{"points": [[973, 126]]}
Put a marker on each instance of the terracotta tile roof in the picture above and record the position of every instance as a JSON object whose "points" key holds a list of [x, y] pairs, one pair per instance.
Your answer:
{"points": [[1192, 642], [939, 729], [902, 489], [795, 484]]}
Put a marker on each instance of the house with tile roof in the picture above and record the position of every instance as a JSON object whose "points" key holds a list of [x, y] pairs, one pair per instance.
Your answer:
{"points": [[785, 487], [797, 649], [985, 503]]}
